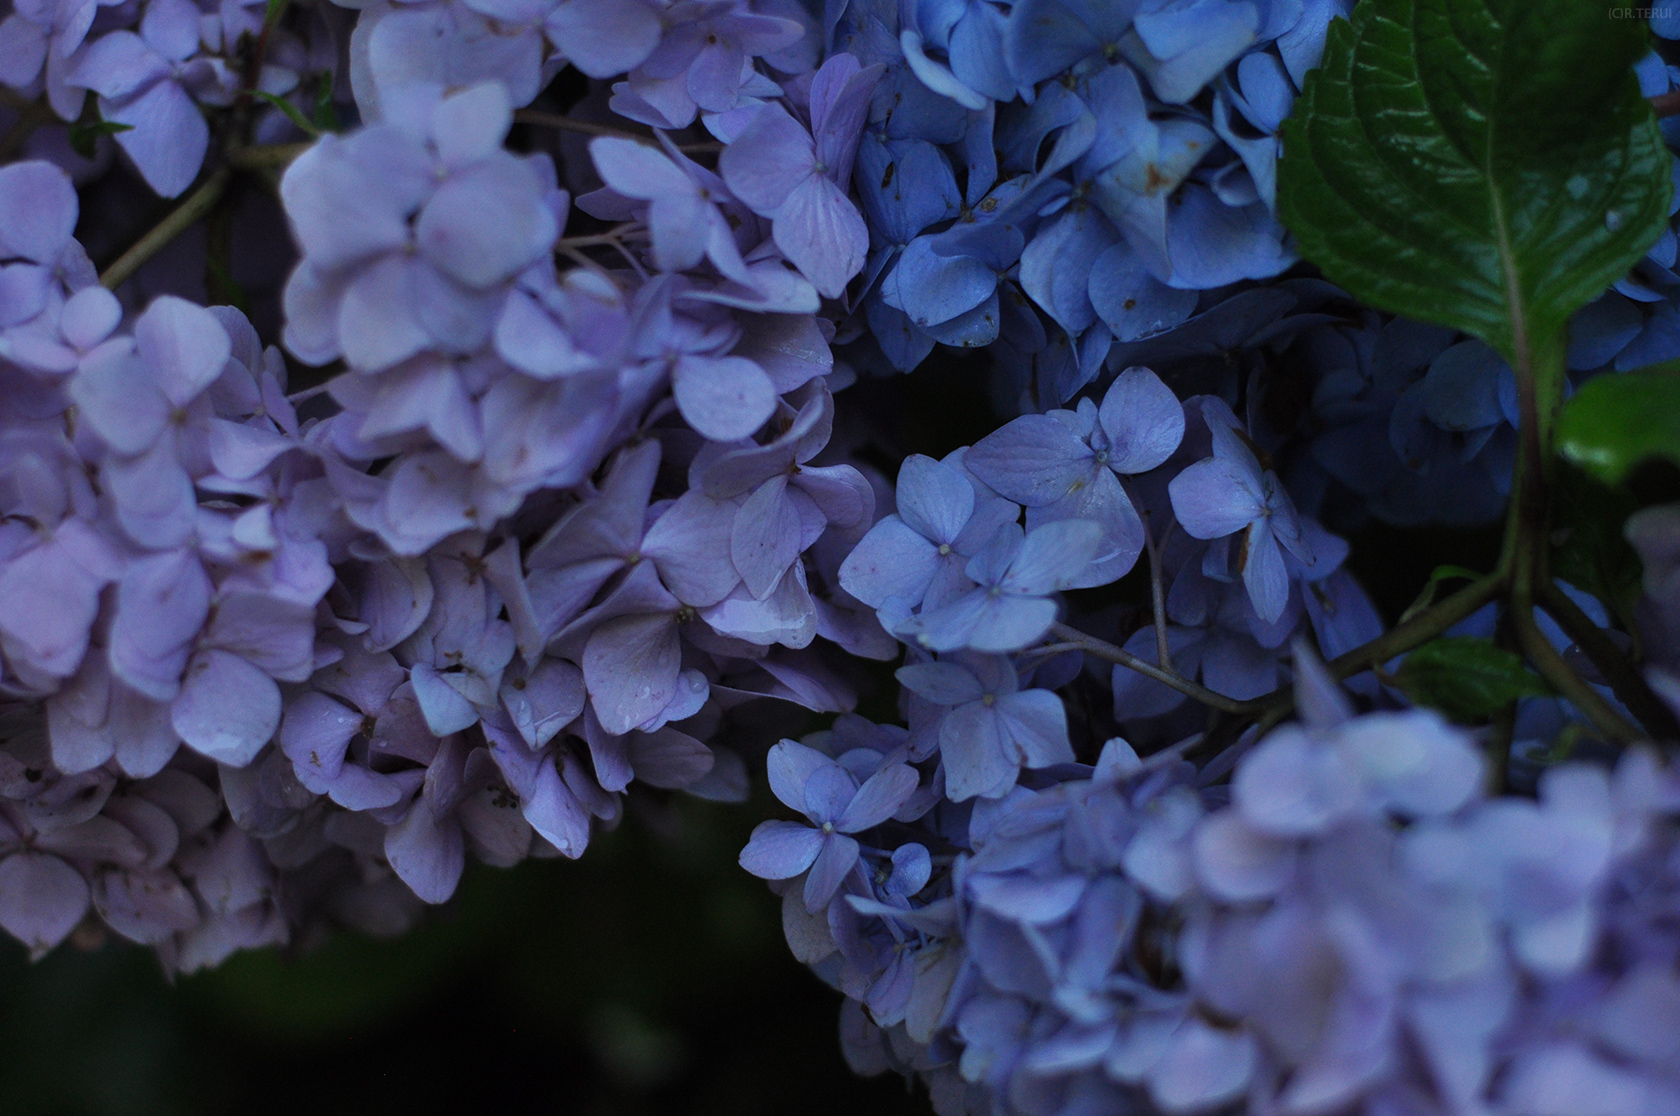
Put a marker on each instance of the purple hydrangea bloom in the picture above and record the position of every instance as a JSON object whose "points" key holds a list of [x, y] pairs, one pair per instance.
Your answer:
{"points": [[797, 177], [147, 81], [1014, 575], [991, 727], [836, 803], [1065, 464], [411, 229], [917, 554], [1229, 493]]}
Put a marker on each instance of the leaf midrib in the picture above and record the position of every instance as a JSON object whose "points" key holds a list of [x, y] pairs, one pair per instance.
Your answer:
{"points": [[1515, 307]]}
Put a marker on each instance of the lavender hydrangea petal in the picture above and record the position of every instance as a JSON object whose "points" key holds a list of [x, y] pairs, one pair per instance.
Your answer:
{"points": [[1035, 723], [167, 137], [822, 234], [934, 498], [724, 398], [689, 545], [1203, 1068], [630, 666], [38, 210], [669, 759], [605, 37], [41, 899], [162, 600], [227, 709], [1215, 497], [23, 48], [975, 753], [376, 323], [780, 850], [1239, 864], [1291, 786], [767, 161], [764, 539], [315, 732], [1051, 556], [839, 855], [878, 798], [486, 224], [470, 125], [1143, 419], [339, 201], [789, 766], [1033, 460], [941, 683], [426, 852], [892, 560]]}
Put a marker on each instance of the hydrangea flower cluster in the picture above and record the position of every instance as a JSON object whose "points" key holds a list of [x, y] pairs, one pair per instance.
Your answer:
{"points": [[516, 479], [1237, 568], [1351, 925], [539, 536], [1104, 163]]}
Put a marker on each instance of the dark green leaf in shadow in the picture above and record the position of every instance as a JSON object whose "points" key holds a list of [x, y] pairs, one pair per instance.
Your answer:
{"points": [[1485, 164], [293, 113], [84, 134], [1589, 550], [1467, 678], [1615, 422]]}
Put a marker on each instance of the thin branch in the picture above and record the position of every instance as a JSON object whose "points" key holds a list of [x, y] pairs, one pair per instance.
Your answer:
{"points": [[309, 393], [1278, 704], [1556, 672], [1053, 649], [1666, 104], [1420, 629], [1104, 650], [583, 127], [267, 156], [1497, 746], [1630, 689], [259, 52], [181, 218], [1408, 636], [578, 257], [1172, 751], [1157, 592], [612, 238]]}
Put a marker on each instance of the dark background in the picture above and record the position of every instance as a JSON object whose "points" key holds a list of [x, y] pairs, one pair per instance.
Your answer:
{"points": [[648, 977]]}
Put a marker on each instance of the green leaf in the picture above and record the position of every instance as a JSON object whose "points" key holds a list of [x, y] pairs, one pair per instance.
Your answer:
{"points": [[1485, 164], [1589, 550], [224, 288], [83, 134], [293, 113], [325, 116], [1615, 422], [1467, 678], [1426, 595]]}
